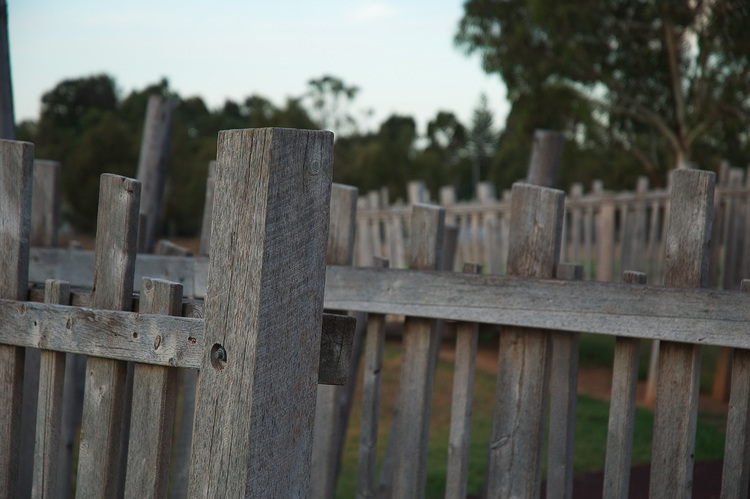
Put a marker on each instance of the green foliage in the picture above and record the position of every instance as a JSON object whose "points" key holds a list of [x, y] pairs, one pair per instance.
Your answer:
{"points": [[656, 79]]}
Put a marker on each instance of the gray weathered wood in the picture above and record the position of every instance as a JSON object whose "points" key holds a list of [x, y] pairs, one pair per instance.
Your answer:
{"points": [[45, 208], [169, 248], [101, 424], [517, 440], [546, 154], [330, 410], [420, 341], [208, 207], [736, 469], [49, 408], [676, 411], [7, 116], [154, 398], [563, 397], [467, 337], [152, 162], [368, 433], [16, 160], [622, 409], [605, 226], [256, 395], [187, 386]]}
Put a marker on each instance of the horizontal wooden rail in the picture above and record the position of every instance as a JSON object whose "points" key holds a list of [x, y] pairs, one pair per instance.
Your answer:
{"points": [[699, 316]]}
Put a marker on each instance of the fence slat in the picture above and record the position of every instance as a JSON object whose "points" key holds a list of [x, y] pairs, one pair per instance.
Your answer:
{"points": [[102, 424], [44, 212], [563, 398], [467, 337], [514, 467], [330, 411], [50, 406], [622, 409], [368, 433], [208, 208], [736, 470], [256, 395], [678, 377], [418, 359], [16, 160], [154, 398]]}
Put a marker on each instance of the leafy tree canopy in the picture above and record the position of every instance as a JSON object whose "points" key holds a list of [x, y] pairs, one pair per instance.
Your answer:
{"points": [[659, 76]]}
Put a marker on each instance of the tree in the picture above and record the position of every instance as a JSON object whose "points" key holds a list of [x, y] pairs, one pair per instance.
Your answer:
{"points": [[330, 99], [482, 140], [659, 76]]}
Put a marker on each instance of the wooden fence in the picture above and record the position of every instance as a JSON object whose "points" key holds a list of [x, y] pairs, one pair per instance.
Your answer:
{"points": [[257, 342]]}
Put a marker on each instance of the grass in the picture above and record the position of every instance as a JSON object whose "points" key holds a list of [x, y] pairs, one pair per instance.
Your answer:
{"points": [[591, 421]]}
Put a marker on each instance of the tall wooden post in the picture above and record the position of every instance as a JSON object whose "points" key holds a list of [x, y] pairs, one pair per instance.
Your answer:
{"points": [[152, 164], [7, 115], [258, 379]]}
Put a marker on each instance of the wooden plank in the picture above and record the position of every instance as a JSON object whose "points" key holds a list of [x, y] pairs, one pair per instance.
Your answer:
{"points": [[104, 395], [736, 470], [16, 160], [605, 226], [50, 406], [330, 407], [46, 205], [563, 397], [7, 116], [208, 208], [467, 337], [546, 154], [256, 395], [517, 440], [154, 399], [622, 409], [420, 341], [676, 411], [152, 162], [372, 376]]}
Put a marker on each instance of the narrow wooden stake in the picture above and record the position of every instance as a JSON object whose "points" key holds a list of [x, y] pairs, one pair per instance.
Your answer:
{"points": [[515, 462], [257, 386], [16, 160], [373, 372], [678, 379], [49, 408], [208, 208], [459, 438], [115, 251], [7, 116], [331, 404], [45, 209], [622, 408], [420, 345], [152, 163], [605, 229], [736, 470], [154, 399], [563, 398]]}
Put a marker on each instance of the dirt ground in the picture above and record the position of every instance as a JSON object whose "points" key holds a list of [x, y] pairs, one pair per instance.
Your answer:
{"points": [[598, 383]]}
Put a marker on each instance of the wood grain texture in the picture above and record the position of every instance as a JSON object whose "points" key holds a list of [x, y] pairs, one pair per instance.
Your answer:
{"points": [[418, 359], [736, 469], [46, 205], [104, 396], [50, 406], [329, 412], [517, 439], [563, 398], [16, 160], [467, 337], [254, 410], [546, 154], [208, 208], [676, 411], [154, 399], [622, 409]]}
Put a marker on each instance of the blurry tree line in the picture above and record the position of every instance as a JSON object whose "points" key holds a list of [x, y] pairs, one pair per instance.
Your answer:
{"points": [[637, 87]]}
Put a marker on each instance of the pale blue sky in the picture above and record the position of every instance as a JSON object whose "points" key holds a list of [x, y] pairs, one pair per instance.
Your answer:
{"points": [[400, 54]]}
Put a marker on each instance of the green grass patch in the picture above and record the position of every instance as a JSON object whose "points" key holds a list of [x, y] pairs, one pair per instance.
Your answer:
{"points": [[591, 424]]}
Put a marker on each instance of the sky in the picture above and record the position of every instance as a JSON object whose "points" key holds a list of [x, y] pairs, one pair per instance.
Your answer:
{"points": [[400, 54]]}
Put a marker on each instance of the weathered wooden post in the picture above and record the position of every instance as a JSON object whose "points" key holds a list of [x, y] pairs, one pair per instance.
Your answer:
{"points": [[152, 164], [45, 208], [7, 116], [264, 305], [16, 162], [678, 377], [514, 466], [546, 154]]}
